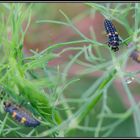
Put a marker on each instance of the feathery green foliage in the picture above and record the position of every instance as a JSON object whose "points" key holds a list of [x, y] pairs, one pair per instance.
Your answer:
{"points": [[88, 109]]}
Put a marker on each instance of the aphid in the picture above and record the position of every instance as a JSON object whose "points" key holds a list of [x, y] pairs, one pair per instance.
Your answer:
{"points": [[113, 37], [135, 55], [129, 80], [20, 114]]}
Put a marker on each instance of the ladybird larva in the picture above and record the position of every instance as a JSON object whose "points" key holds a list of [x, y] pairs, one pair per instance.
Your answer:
{"points": [[20, 115], [113, 37]]}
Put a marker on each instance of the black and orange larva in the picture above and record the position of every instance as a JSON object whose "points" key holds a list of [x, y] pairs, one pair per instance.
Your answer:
{"points": [[20, 115], [113, 37]]}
